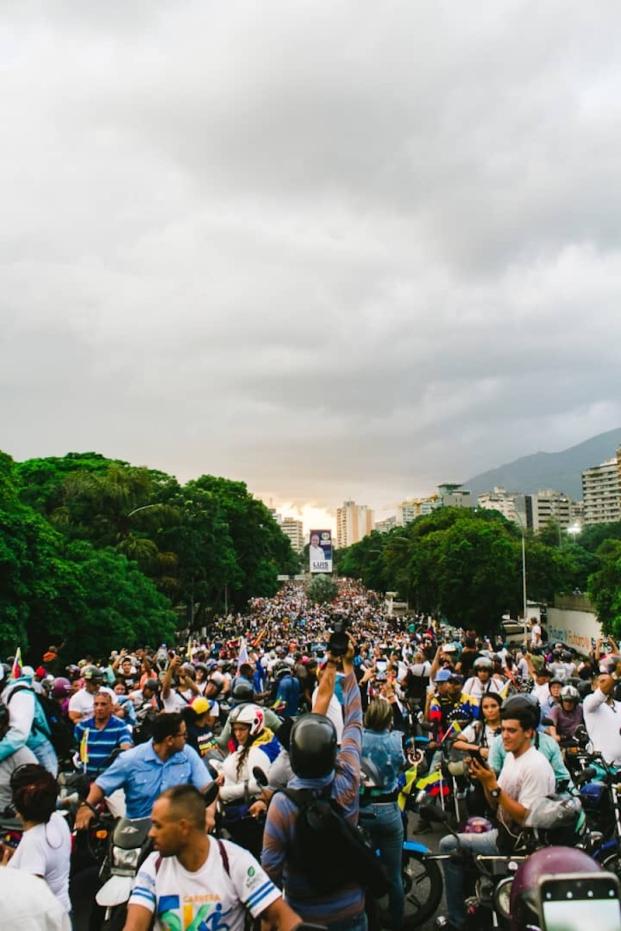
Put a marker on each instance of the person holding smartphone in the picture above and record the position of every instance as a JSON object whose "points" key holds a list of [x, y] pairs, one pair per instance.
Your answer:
{"points": [[525, 778]]}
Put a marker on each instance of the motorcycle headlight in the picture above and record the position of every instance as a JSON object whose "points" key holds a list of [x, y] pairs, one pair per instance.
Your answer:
{"points": [[125, 859], [502, 898]]}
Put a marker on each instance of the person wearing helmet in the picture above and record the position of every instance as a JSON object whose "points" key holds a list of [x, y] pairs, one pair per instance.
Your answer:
{"points": [[287, 690], [201, 717], [548, 861], [481, 683], [319, 767], [525, 778], [81, 702], [239, 790], [567, 715]]}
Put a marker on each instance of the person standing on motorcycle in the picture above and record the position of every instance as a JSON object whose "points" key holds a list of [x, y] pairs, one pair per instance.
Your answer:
{"points": [[145, 771], [525, 778], [194, 881]]}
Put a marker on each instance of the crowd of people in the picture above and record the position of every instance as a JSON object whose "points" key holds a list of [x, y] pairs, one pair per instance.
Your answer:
{"points": [[278, 711]]}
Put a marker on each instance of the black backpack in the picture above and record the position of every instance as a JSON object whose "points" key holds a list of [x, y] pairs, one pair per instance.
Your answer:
{"points": [[328, 850], [60, 729]]}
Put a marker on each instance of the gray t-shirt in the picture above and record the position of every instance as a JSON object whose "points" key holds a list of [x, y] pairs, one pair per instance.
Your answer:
{"points": [[19, 758]]}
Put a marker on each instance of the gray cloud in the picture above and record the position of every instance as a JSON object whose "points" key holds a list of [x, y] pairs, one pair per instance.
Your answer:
{"points": [[330, 248]]}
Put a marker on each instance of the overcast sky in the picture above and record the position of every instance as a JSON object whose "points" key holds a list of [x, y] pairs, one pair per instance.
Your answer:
{"points": [[331, 248]]}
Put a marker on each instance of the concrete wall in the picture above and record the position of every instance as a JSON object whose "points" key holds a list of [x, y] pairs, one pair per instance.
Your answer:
{"points": [[576, 628]]}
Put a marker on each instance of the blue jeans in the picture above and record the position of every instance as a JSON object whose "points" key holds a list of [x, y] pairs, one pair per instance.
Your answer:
{"points": [[46, 755], [359, 923], [385, 827], [454, 870]]}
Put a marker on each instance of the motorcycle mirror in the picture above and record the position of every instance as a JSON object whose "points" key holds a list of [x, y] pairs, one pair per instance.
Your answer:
{"points": [[260, 776]]}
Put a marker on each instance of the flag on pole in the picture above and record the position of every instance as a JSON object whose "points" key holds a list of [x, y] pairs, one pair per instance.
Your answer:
{"points": [[16, 669], [84, 748], [243, 653]]}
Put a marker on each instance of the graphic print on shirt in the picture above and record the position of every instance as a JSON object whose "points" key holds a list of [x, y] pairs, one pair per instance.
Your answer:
{"points": [[193, 913]]}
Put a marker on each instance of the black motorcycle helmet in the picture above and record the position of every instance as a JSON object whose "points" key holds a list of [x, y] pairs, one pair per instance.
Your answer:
{"points": [[242, 693], [523, 708], [312, 750]]}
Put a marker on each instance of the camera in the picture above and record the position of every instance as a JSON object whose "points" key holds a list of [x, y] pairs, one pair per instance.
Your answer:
{"points": [[338, 643]]}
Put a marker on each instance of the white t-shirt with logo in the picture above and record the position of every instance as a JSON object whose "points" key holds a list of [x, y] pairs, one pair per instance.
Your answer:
{"points": [[45, 850], [208, 898]]}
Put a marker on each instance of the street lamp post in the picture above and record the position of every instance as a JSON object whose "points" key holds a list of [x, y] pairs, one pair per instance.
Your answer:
{"points": [[524, 601]]}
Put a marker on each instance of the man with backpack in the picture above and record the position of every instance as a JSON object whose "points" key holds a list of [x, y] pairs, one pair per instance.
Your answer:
{"points": [[197, 881], [318, 869], [28, 724]]}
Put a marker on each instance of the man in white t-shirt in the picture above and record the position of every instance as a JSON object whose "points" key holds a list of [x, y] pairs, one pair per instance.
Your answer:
{"points": [[81, 702], [602, 718], [526, 777], [194, 880]]}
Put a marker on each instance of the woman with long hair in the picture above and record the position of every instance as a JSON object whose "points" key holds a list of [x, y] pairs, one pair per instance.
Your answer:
{"points": [[240, 793]]}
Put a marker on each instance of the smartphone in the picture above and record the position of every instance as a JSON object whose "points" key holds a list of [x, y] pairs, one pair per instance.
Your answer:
{"points": [[570, 901], [381, 666]]}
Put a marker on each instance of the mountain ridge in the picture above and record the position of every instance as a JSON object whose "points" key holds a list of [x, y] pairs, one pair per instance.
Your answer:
{"points": [[561, 470]]}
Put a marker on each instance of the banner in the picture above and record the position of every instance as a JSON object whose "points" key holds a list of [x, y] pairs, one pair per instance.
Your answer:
{"points": [[320, 551]]}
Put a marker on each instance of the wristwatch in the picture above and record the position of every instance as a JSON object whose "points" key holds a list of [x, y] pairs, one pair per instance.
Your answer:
{"points": [[495, 793]]}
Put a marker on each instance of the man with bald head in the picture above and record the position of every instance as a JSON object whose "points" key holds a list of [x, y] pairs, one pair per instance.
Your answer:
{"points": [[602, 717], [100, 735]]}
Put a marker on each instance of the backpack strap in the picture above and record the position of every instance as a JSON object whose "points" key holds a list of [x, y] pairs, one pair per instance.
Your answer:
{"points": [[225, 857]]}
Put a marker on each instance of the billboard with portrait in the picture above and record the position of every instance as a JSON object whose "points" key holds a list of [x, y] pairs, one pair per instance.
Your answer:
{"points": [[320, 551]]}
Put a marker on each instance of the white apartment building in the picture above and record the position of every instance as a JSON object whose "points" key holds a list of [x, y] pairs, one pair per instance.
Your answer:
{"points": [[511, 505], [601, 491], [294, 529], [384, 526], [353, 522]]}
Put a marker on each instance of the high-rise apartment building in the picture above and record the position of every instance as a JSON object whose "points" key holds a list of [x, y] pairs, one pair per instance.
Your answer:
{"points": [[353, 522], [601, 491], [533, 512], [294, 529]]}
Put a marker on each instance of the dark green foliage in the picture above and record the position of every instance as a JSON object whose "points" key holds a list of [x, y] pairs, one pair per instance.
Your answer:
{"points": [[466, 565], [605, 587], [321, 589], [205, 546]]}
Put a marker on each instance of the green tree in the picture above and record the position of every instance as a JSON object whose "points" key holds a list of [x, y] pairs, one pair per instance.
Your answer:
{"points": [[605, 587], [322, 589]]}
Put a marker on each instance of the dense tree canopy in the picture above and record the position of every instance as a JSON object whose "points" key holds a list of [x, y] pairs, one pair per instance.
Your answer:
{"points": [[466, 564], [101, 553]]}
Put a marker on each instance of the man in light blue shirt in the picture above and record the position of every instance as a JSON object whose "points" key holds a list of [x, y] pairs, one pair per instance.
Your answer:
{"points": [[542, 742], [148, 770]]}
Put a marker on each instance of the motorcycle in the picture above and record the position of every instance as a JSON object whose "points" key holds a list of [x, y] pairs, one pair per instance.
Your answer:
{"points": [[129, 846]]}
